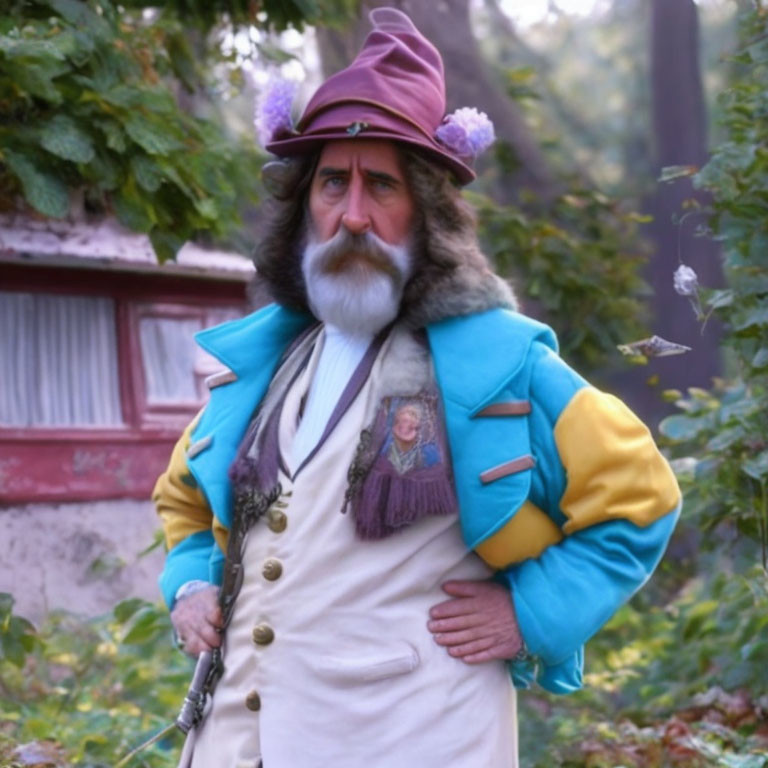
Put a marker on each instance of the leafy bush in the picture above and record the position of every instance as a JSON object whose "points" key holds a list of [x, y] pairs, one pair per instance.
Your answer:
{"points": [[680, 684], [86, 692], [576, 263], [87, 109], [679, 676]]}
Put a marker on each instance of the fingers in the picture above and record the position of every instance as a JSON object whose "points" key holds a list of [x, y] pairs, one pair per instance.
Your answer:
{"points": [[197, 636], [193, 639], [457, 638], [214, 616], [464, 588], [474, 647], [193, 645], [455, 623], [500, 648], [196, 619], [210, 636], [481, 657], [207, 604], [464, 594], [478, 624], [451, 608]]}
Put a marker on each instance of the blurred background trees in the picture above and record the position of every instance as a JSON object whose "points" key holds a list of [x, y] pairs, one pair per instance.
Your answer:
{"points": [[143, 111], [631, 139]]}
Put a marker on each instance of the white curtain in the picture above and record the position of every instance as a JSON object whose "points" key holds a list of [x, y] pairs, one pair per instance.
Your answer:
{"points": [[174, 366], [58, 361], [169, 351]]}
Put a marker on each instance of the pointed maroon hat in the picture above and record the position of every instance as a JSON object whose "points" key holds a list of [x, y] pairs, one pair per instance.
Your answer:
{"points": [[394, 89]]}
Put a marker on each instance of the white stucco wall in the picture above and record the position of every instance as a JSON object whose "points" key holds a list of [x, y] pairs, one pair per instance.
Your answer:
{"points": [[81, 557]]}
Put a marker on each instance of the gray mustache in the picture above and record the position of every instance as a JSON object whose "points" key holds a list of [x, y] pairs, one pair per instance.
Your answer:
{"points": [[346, 249]]}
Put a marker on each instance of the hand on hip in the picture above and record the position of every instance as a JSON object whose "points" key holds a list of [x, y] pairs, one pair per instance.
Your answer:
{"points": [[478, 623]]}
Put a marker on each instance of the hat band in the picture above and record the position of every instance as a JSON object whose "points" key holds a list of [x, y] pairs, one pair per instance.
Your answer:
{"points": [[371, 102]]}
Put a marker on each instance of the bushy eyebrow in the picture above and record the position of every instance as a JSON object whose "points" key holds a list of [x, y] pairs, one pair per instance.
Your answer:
{"points": [[375, 175], [332, 172], [381, 176]]}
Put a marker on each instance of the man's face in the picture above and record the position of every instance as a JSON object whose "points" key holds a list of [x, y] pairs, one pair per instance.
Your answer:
{"points": [[406, 426], [357, 256], [360, 185]]}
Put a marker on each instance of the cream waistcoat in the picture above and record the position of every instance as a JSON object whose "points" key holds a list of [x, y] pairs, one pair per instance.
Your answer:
{"points": [[352, 677]]}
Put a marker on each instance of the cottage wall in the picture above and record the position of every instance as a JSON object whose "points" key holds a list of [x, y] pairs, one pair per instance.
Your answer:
{"points": [[81, 557], [100, 375]]}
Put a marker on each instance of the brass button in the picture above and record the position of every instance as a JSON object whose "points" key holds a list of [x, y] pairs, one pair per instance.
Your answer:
{"points": [[253, 701], [263, 634], [278, 521], [272, 569]]}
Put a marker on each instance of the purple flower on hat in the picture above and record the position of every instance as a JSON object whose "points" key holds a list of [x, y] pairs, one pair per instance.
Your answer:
{"points": [[273, 110], [466, 132]]}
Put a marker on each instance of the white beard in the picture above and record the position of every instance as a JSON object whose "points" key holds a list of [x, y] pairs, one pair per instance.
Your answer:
{"points": [[359, 297]]}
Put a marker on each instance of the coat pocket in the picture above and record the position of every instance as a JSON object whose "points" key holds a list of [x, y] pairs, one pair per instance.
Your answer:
{"points": [[397, 659]]}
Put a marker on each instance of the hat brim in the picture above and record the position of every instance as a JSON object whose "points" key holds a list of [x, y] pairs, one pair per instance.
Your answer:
{"points": [[309, 142]]}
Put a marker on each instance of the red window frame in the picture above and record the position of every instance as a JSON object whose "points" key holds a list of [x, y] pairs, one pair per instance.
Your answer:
{"points": [[82, 464], [154, 413]]}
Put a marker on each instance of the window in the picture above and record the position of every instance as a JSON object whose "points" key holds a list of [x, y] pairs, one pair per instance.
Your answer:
{"points": [[59, 358], [174, 366], [168, 357], [100, 373]]}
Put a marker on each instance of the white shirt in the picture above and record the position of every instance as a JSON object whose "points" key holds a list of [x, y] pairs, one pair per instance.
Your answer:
{"points": [[340, 355]]}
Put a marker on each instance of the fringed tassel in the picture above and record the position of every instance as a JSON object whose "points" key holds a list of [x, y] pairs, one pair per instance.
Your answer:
{"points": [[388, 502]]}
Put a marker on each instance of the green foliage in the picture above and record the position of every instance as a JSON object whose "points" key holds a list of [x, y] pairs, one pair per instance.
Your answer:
{"points": [[653, 658], [274, 15], [87, 108], [680, 684], [593, 105], [17, 635], [87, 692], [679, 676], [576, 268], [722, 434]]}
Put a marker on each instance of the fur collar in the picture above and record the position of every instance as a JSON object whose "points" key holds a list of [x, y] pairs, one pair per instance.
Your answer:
{"points": [[465, 290]]}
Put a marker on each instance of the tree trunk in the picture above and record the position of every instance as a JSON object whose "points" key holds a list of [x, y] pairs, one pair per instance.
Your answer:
{"points": [[469, 82], [679, 120]]}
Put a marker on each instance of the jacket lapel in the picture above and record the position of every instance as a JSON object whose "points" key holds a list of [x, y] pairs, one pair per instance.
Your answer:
{"points": [[251, 348]]}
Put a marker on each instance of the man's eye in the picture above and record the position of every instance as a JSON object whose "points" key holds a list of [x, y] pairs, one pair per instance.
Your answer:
{"points": [[334, 182]]}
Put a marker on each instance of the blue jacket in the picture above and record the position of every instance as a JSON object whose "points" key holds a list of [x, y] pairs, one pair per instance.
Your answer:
{"points": [[561, 488]]}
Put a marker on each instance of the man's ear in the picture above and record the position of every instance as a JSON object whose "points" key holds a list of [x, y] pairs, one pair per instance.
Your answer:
{"points": [[280, 177]]}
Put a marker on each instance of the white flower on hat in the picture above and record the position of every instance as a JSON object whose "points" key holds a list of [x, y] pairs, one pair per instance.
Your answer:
{"points": [[466, 132]]}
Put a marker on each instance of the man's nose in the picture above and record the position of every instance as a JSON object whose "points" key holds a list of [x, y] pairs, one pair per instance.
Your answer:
{"points": [[356, 218]]}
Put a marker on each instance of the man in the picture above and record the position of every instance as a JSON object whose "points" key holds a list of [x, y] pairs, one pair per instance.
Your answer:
{"points": [[419, 501]]}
